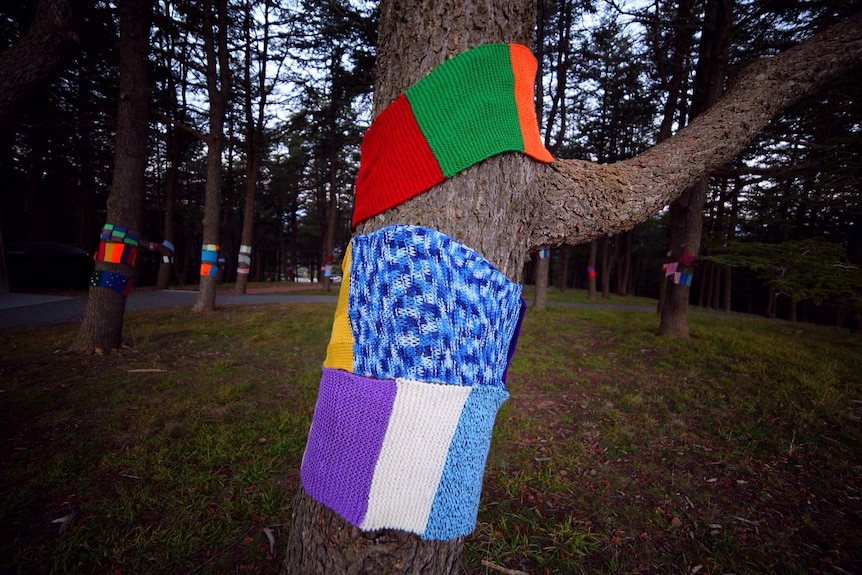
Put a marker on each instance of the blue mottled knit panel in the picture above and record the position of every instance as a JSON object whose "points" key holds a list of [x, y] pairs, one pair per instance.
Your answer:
{"points": [[425, 307]]}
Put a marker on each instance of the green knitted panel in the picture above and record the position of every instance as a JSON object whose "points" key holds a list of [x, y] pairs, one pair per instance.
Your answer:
{"points": [[466, 108]]}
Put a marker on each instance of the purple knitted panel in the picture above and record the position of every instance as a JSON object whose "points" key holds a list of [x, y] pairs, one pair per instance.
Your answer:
{"points": [[347, 431]]}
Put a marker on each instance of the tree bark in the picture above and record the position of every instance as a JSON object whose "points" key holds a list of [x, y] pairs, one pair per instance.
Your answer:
{"points": [[541, 205], [591, 270], [607, 264], [543, 270], [50, 42], [563, 273], [326, 544], [686, 212], [575, 200], [102, 324], [254, 140], [218, 88]]}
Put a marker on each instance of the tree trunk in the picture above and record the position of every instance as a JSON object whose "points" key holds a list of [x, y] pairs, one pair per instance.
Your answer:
{"points": [[102, 324], [174, 153], [563, 274], [686, 212], [625, 264], [543, 264], [591, 270], [412, 40], [726, 294], [685, 231], [335, 546], [218, 88], [254, 142], [607, 264]]}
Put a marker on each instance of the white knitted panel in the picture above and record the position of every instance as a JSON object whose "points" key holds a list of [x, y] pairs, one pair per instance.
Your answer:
{"points": [[421, 427]]}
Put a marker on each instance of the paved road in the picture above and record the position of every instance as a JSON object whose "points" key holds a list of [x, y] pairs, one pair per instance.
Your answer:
{"points": [[28, 310]]}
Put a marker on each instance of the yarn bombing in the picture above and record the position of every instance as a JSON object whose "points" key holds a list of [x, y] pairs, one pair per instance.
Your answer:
{"points": [[413, 379], [400, 454], [415, 303], [469, 108]]}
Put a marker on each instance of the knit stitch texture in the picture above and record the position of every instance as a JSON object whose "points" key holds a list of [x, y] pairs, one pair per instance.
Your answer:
{"points": [[400, 454], [422, 306], [471, 107]]}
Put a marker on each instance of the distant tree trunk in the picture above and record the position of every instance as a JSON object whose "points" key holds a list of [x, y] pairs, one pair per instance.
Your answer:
{"points": [[331, 223], [625, 263], [591, 270], [102, 325], [726, 299], [686, 212], [607, 264], [543, 271], [707, 282], [218, 88], [254, 140], [563, 274], [715, 301], [166, 263]]}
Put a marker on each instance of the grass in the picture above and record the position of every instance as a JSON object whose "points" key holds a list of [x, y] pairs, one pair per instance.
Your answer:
{"points": [[737, 451]]}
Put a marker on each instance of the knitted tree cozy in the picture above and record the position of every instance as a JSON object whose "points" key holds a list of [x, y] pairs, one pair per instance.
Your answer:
{"points": [[425, 326], [411, 384], [473, 106]]}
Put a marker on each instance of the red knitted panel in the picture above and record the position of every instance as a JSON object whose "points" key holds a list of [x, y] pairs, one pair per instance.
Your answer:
{"points": [[390, 176]]}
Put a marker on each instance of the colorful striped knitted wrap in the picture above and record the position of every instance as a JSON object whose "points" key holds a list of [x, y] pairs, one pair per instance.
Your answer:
{"points": [[471, 107], [413, 379]]}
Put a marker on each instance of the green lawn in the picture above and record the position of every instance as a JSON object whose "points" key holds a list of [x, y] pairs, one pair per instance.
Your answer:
{"points": [[737, 451]]}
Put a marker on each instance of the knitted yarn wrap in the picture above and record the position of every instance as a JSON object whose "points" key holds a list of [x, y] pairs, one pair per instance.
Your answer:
{"points": [[413, 379], [415, 303], [469, 108], [400, 454]]}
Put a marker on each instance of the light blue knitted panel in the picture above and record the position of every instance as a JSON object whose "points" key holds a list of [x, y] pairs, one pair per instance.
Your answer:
{"points": [[456, 503], [425, 307]]}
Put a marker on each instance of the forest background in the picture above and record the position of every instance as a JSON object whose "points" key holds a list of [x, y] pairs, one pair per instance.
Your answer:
{"points": [[782, 225]]}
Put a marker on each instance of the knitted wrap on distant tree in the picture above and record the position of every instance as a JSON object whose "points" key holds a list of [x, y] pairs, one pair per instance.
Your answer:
{"points": [[473, 106], [425, 327]]}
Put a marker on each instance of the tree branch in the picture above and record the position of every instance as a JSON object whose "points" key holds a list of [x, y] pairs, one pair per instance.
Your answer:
{"points": [[39, 55], [578, 201]]}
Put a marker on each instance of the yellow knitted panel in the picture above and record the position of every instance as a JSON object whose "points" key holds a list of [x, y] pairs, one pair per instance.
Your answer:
{"points": [[339, 354]]}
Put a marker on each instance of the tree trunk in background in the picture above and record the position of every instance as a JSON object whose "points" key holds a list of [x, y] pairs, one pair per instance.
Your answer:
{"points": [[607, 263], [564, 202], [175, 143], [563, 274], [218, 88], [728, 283], [686, 212], [625, 264], [102, 325], [543, 271], [591, 270], [254, 140]]}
